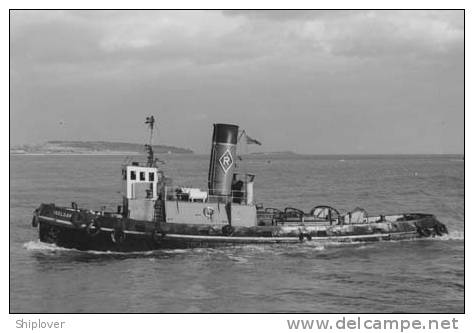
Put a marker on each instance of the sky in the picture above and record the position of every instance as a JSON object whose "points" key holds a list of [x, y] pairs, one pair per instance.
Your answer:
{"points": [[315, 82]]}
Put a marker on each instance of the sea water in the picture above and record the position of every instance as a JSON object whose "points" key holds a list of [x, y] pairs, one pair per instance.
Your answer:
{"points": [[425, 275]]}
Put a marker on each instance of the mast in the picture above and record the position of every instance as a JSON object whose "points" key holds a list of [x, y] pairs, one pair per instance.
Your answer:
{"points": [[150, 121]]}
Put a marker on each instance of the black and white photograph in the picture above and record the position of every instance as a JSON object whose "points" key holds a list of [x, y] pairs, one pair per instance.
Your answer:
{"points": [[237, 161]]}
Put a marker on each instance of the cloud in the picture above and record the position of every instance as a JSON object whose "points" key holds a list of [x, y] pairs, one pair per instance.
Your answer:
{"points": [[210, 38], [288, 15], [323, 67], [368, 33]]}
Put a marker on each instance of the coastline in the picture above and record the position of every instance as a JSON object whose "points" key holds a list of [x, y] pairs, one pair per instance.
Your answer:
{"points": [[77, 154]]}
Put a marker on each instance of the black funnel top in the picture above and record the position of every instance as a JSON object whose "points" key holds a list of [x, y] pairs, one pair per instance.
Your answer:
{"points": [[225, 133]]}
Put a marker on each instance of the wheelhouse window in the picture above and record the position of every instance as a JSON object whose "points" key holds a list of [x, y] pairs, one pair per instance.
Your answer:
{"points": [[142, 175], [133, 175], [151, 176]]}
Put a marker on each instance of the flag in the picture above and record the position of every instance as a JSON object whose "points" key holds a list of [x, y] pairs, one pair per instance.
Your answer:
{"points": [[252, 141], [150, 121]]}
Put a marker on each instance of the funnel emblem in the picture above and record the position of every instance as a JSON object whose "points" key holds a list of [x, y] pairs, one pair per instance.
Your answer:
{"points": [[226, 161]]}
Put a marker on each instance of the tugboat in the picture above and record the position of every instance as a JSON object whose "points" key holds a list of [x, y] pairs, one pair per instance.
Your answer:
{"points": [[155, 215]]}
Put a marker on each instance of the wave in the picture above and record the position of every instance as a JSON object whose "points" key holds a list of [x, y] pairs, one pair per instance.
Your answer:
{"points": [[38, 246], [314, 246], [238, 259], [44, 247], [322, 245], [453, 235]]}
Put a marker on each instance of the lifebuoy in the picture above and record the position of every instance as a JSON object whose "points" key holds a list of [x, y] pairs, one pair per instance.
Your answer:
{"points": [[117, 236], [208, 212], [93, 228], [228, 230]]}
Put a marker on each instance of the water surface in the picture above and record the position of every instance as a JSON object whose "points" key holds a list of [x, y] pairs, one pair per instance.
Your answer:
{"points": [[404, 276]]}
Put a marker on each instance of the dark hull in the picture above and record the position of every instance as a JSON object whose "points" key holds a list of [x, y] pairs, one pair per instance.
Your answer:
{"points": [[113, 234]]}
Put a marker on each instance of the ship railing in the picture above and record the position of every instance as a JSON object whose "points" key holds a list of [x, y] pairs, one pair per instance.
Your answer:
{"points": [[66, 212], [273, 216], [131, 162], [237, 197], [178, 193]]}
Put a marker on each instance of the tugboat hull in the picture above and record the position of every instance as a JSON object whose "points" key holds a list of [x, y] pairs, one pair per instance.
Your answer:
{"points": [[112, 233]]}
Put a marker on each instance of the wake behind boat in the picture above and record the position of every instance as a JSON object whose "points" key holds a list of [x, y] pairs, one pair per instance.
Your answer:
{"points": [[156, 215]]}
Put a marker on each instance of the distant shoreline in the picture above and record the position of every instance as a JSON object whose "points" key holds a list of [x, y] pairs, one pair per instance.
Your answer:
{"points": [[76, 154], [93, 148], [125, 153]]}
